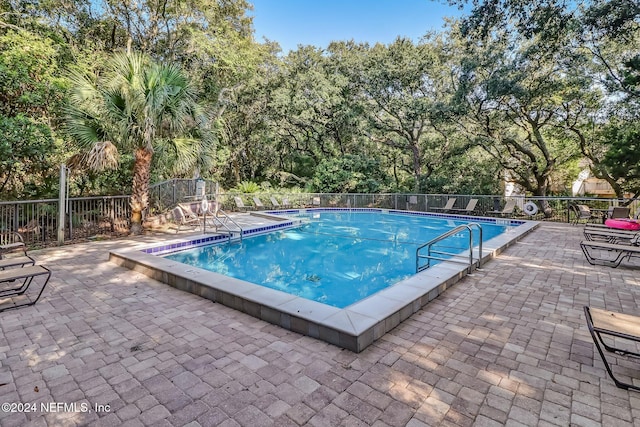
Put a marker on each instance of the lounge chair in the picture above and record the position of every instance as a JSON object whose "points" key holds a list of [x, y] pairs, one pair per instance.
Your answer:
{"points": [[240, 204], [448, 206], [285, 202], [616, 326], [274, 202], [611, 235], [258, 202], [183, 219], [508, 209], [617, 251], [15, 282], [22, 261], [471, 206], [191, 210], [10, 241]]}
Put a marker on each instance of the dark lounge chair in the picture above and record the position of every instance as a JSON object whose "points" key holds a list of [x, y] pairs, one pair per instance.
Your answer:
{"points": [[15, 282], [10, 241], [614, 325], [617, 252]]}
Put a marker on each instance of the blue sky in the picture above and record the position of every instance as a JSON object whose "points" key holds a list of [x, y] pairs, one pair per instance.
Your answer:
{"points": [[318, 22]]}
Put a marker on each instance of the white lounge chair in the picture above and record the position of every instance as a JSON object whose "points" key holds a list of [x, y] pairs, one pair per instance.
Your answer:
{"points": [[183, 219], [274, 202], [240, 204], [448, 206], [471, 206], [508, 209], [258, 202]]}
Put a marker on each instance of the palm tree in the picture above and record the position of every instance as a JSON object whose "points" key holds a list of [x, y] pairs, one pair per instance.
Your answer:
{"points": [[139, 107]]}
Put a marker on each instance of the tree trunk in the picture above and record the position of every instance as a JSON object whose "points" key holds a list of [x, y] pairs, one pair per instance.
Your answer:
{"points": [[417, 166], [140, 191]]}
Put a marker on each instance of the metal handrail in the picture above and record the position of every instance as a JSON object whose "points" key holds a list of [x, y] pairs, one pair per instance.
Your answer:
{"points": [[222, 223], [449, 233]]}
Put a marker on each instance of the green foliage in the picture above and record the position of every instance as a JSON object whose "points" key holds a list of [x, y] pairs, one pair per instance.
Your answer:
{"points": [[29, 81], [246, 187], [139, 104], [27, 165], [521, 81], [349, 174], [474, 173], [622, 159]]}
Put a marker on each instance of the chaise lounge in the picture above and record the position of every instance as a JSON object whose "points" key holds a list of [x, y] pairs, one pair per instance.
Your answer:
{"points": [[614, 325], [471, 206], [448, 206], [611, 235], [10, 241], [508, 209], [618, 252], [14, 283]]}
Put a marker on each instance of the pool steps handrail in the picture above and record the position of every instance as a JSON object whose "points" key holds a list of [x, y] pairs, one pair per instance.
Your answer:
{"points": [[443, 236], [222, 223]]}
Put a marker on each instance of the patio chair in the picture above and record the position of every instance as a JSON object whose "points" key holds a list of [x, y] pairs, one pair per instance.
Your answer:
{"points": [[616, 251], [274, 202], [286, 203], [258, 202], [471, 206], [11, 241], [15, 282], [448, 206], [619, 212], [508, 209], [618, 327], [583, 212]]}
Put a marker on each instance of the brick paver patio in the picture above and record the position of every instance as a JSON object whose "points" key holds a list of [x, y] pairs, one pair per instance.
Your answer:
{"points": [[507, 345]]}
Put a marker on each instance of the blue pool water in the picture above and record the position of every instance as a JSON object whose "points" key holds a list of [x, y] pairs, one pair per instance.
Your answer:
{"points": [[336, 258]]}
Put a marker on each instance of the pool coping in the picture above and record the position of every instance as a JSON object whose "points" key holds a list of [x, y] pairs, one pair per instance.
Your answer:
{"points": [[354, 327]]}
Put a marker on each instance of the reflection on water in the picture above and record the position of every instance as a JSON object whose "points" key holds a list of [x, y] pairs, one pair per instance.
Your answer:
{"points": [[337, 258]]}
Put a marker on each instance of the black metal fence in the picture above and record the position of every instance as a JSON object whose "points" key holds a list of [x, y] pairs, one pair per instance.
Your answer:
{"points": [[557, 209], [85, 217], [103, 217]]}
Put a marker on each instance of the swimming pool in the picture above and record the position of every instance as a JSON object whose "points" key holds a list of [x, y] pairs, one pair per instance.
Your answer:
{"points": [[353, 327], [334, 257]]}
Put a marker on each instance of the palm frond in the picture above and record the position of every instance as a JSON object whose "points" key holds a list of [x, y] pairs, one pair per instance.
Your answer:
{"points": [[103, 155]]}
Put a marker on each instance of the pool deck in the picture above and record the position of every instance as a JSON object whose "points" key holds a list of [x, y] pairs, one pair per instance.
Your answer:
{"points": [[507, 345]]}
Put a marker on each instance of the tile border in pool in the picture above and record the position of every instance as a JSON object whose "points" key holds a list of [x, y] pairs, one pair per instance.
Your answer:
{"points": [[354, 327]]}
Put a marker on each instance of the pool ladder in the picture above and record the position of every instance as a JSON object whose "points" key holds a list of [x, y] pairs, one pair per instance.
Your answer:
{"points": [[222, 223], [434, 254]]}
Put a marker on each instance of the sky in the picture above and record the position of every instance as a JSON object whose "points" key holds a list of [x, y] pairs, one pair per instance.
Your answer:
{"points": [[318, 22]]}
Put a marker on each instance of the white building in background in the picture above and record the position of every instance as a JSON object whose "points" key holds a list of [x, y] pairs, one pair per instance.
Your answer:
{"points": [[590, 185]]}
